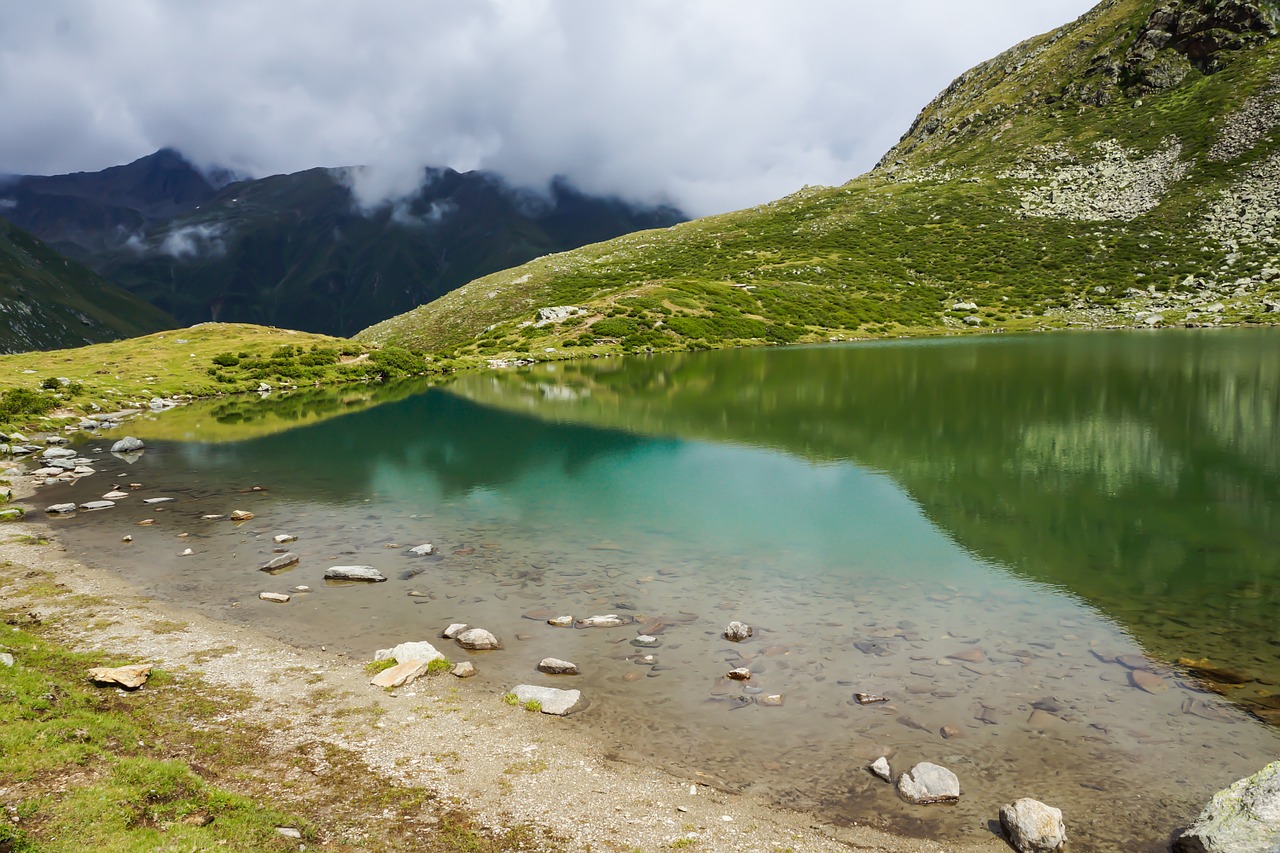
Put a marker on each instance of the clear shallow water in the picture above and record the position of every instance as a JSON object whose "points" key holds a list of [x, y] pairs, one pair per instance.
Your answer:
{"points": [[1039, 507]]}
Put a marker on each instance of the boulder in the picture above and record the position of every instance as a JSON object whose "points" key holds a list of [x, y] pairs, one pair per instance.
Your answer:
{"points": [[58, 453], [737, 632], [278, 562], [129, 677], [420, 650], [1244, 818], [880, 767], [478, 639], [464, 669], [354, 573], [928, 783], [424, 550], [555, 666], [60, 509], [552, 700], [1033, 827], [128, 444]]}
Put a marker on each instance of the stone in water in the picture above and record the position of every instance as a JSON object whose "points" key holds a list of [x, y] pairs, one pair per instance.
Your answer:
{"points": [[555, 666], [241, 515], [423, 550], [283, 561], [738, 631], [277, 597], [354, 573], [1033, 827], [739, 674], [128, 444], [880, 767], [283, 538], [478, 639], [928, 783]]}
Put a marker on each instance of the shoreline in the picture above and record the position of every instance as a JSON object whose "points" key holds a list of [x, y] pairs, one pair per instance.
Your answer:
{"points": [[504, 766]]}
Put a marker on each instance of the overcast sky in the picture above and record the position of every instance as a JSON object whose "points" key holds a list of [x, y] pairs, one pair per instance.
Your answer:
{"points": [[712, 104]]}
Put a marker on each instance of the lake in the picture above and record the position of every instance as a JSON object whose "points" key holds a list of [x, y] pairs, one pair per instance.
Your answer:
{"points": [[1056, 556]]}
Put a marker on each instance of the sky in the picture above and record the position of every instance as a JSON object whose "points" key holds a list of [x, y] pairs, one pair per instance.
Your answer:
{"points": [[712, 105]]}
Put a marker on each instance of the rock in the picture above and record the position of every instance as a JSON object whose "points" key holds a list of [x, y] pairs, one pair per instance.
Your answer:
{"points": [[353, 573], [213, 516], [281, 561], [400, 674], [737, 632], [186, 552], [58, 453], [288, 832], [60, 509], [425, 550], [129, 677], [969, 656], [553, 701], [773, 700], [645, 641], [419, 650], [128, 444], [739, 674], [6, 659], [478, 639], [115, 495], [1148, 681], [1244, 818], [57, 441], [880, 767], [160, 501], [950, 732], [561, 622], [611, 620], [454, 630], [868, 698], [241, 515], [973, 320], [928, 783], [464, 669], [556, 314], [126, 538], [555, 666], [281, 538], [277, 597], [965, 306], [1033, 827], [90, 506]]}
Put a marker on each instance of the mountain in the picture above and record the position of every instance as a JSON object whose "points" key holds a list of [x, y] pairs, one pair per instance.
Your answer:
{"points": [[297, 251], [1122, 170], [50, 302]]}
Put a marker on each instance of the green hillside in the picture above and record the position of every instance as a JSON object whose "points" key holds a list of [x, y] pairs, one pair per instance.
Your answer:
{"points": [[47, 301], [1123, 170]]}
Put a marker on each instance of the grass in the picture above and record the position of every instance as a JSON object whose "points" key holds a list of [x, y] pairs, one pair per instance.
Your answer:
{"points": [[890, 253], [179, 765]]}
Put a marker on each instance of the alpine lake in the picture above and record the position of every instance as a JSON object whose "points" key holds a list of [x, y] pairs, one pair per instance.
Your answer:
{"points": [[1056, 557]]}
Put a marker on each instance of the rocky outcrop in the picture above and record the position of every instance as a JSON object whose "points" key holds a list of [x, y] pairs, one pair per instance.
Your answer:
{"points": [[1116, 183], [1244, 818], [1197, 34]]}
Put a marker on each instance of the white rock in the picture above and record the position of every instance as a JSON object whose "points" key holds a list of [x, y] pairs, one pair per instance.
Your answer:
{"points": [[115, 495], [454, 630], [354, 573], [1244, 818], [965, 306], [553, 701], [158, 500], [424, 550], [645, 641], [478, 639], [464, 669], [738, 631], [278, 562], [128, 444], [282, 538], [6, 659], [90, 506], [611, 620], [561, 622], [277, 597], [555, 666], [60, 509], [58, 453], [880, 767], [1033, 827], [288, 832], [418, 650], [928, 783]]}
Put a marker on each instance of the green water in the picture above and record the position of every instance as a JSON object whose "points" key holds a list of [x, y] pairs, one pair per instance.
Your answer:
{"points": [[1054, 509]]}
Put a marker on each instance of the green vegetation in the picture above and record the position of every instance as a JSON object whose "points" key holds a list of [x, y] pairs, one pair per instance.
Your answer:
{"points": [[966, 226]]}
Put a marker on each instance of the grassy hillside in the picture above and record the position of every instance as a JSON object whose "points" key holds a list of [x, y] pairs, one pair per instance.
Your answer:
{"points": [[205, 360], [1108, 173], [47, 301]]}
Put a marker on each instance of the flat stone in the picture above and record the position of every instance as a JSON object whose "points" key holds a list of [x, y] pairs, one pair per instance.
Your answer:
{"points": [[129, 677], [454, 630], [611, 620], [354, 573], [115, 495], [556, 702], [282, 561], [400, 674], [60, 509], [771, 700], [213, 516], [645, 641], [929, 783], [277, 597], [561, 622], [969, 656], [1244, 818], [128, 444], [288, 832], [464, 669], [555, 666], [90, 506], [416, 650], [282, 538], [1147, 681], [478, 639], [880, 767], [58, 453], [869, 698], [424, 550], [150, 501], [1033, 827]]}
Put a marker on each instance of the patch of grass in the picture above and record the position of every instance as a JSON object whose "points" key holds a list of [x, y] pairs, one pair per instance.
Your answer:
{"points": [[532, 705], [439, 666], [511, 699], [374, 667]]}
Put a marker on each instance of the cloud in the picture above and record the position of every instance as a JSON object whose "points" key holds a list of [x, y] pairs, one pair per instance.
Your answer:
{"points": [[714, 105], [8, 203], [194, 241]]}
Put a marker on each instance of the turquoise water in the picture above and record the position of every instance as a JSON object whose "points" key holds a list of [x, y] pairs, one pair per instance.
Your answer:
{"points": [[992, 533]]}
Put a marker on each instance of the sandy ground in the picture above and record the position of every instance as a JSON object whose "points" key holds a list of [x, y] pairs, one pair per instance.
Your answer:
{"points": [[453, 737]]}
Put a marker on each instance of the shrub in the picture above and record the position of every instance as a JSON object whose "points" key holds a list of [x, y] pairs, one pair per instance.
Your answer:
{"points": [[18, 402], [226, 359]]}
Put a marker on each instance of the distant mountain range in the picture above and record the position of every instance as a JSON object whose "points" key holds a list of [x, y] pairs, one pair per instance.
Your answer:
{"points": [[296, 251]]}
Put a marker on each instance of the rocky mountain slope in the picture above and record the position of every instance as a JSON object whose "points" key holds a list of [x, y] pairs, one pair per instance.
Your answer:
{"points": [[296, 251], [47, 301], [1122, 170]]}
